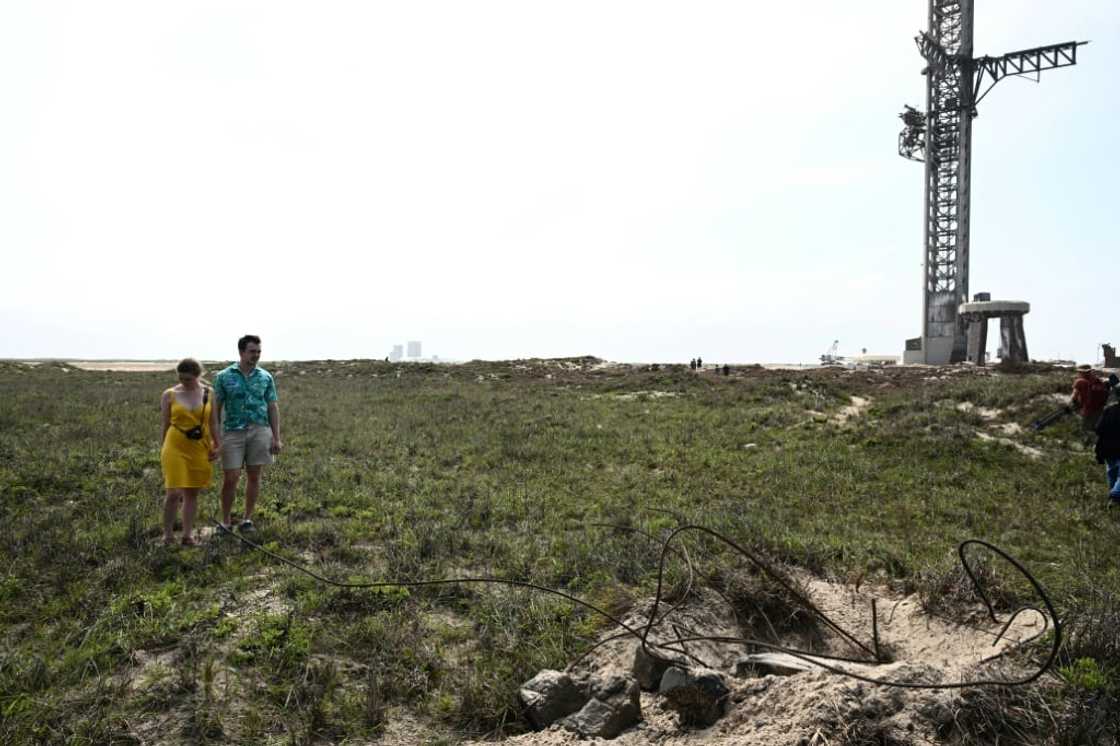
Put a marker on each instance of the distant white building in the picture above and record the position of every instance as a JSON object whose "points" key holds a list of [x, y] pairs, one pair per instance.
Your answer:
{"points": [[874, 360], [397, 353], [414, 349]]}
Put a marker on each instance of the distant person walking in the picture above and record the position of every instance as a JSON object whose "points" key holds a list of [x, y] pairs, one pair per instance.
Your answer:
{"points": [[1090, 394], [246, 400], [692, 364], [699, 363], [1108, 450], [190, 441], [726, 369]]}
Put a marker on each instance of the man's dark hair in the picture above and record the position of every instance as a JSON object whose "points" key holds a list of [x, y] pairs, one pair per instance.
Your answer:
{"points": [[244, 341]]}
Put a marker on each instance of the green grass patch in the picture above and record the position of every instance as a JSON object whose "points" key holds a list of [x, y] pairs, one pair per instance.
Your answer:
{"points": [[552, 472]]}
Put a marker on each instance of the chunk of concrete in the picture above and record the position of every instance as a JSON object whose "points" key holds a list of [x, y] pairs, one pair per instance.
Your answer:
{"points": [[648, 670], [614, 706], [549, 696], [699, 695]]}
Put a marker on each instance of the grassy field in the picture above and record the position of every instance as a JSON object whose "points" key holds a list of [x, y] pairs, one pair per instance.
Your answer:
{"points": [[516, 470]]}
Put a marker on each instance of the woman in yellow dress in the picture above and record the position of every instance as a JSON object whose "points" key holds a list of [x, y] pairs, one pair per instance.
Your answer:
{"points": [[190, 442]]}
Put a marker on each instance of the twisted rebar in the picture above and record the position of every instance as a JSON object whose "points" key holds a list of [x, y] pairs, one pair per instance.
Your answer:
{"points": [[871, 652]]}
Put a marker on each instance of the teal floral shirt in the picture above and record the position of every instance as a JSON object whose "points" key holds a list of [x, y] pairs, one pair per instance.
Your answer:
{"points": [[244, 400]]}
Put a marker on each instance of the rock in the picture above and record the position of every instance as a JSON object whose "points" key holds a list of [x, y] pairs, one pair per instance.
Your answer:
{"points": [[614, 706], [610, 685], [594, 720], [549, 696], [778, 664], [648, 670], [699, 695]]}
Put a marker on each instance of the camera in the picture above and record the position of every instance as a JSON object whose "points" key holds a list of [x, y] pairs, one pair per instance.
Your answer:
{"points": [[195, 433]]}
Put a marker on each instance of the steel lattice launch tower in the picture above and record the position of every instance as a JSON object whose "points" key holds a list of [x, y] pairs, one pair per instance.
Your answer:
{"points": [[942, 137]]}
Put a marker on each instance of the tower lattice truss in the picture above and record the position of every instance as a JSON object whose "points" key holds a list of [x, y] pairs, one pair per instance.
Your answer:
{"points": [[942, 138]]}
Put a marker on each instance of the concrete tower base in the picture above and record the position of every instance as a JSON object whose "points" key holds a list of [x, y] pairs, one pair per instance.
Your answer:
{"points": [[1010, 314]]}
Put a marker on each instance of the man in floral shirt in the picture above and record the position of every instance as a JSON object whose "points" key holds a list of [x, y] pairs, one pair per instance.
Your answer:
{"points": [[245, 397]]}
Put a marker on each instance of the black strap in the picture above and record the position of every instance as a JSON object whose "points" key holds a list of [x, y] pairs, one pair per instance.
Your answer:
{"points": [[202, 417]]}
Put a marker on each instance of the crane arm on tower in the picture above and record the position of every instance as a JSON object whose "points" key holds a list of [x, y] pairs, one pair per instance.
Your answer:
{"points": [[1023, 62]]}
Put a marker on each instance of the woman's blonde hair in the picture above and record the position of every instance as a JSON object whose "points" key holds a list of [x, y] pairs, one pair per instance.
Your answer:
{"points": [[190, 366]]}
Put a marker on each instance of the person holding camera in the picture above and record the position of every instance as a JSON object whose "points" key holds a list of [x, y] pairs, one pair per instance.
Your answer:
{"points": [[190, 442], [247, 407]]}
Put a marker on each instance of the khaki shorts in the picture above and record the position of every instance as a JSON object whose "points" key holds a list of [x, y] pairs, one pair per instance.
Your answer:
{"points": [[251, 447]]}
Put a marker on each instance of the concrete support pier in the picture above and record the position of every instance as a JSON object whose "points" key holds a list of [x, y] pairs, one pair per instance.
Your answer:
{"points": [[1013, 338], [1010, 314], [977, 341]]}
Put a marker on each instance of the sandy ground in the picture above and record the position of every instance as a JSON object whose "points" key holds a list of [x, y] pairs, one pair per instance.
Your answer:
{"points": [[858, 406], [132, 366], [809, 708], [820, 707]]}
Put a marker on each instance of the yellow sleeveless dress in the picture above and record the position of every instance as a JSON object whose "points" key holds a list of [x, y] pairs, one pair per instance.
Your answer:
{"points": [[186, 462]]}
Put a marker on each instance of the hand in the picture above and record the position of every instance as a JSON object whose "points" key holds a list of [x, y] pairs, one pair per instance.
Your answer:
{"points": [[215, 449], [276, 446]]}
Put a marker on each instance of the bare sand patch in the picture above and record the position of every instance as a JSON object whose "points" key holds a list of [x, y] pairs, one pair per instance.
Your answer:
{"points": [[985, 413], [818, 706], [127, 366], [632, 395], [857, 407], [1025, 450]]}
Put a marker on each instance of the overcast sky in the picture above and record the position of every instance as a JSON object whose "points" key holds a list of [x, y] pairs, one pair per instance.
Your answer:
{"points": [[634, 180]]}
